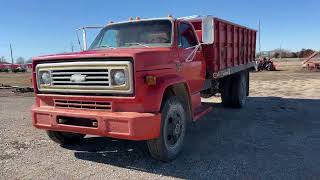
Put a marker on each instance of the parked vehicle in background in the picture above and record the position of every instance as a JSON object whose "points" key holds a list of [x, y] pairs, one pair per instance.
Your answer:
{"points": [[15, 67], [266, 65], [312, 62], [20, 69], [143, 79]]}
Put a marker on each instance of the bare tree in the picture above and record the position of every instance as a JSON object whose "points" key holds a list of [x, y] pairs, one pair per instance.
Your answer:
{"points": [[29, 60], [20, 60], [305, 53], [2, 60]]}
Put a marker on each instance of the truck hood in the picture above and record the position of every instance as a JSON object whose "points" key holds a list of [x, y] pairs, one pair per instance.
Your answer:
{"points": [[144, 58]]}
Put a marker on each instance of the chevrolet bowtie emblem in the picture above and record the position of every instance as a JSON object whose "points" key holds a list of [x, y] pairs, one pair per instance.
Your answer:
{"points": [[78, 78]]}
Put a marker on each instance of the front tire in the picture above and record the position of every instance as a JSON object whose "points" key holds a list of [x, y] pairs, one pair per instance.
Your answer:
{"points": [[65, 138], [172, 133]]}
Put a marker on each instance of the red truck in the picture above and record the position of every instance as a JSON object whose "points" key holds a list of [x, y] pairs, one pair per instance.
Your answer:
{"points": [[143, 79]]}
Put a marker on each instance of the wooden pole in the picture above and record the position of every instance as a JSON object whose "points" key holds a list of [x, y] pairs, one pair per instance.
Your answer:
{"points": [[11, 57], [259, 37]]}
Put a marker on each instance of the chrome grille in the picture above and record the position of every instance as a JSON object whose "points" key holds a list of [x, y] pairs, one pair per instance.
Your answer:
{"points": [[85, 77], [95, 77], [82, 104]]}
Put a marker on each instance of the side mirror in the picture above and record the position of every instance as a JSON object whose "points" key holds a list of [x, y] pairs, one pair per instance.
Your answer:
{"points": [[207, 30]]}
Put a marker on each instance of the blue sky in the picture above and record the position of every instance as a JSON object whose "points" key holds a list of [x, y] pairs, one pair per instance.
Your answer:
{"points": [[45, 27]]}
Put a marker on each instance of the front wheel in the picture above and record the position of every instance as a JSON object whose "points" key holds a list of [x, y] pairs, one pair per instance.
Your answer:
{"points": [[172, 133], [65, 138]]}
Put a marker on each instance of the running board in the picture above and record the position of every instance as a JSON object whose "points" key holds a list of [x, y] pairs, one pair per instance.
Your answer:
{"points": [[200, 111]]}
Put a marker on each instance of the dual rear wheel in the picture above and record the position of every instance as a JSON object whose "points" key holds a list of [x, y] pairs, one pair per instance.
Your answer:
{"points": [[235, 89]]}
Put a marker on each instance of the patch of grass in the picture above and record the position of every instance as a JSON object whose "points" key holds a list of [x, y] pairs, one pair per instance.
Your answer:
{"points": [[287, 59]]}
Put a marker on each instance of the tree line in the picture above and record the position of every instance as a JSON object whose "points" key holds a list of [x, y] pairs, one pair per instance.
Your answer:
{"points": [[277, 53], [19, 60]]}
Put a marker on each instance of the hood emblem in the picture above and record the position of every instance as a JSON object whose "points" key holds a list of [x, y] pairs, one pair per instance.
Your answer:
{"points": [[78, 78]]}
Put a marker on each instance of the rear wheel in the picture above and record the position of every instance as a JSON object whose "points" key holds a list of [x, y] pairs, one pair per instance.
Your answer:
{"points": [[239, 90], [234, 90], [65, 138], [172, 133], [225, 88]]}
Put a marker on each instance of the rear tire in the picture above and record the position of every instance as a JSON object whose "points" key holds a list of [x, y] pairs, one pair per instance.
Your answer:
{"points": [[239, 90], [172, 133], [65, 138], [234, 90], [225, 88]]}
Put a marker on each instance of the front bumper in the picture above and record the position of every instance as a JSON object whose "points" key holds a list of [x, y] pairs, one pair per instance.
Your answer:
{"points": [[122, 125]]}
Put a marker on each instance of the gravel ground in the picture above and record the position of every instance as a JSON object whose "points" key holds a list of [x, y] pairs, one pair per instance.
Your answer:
{"points": [[276, 136]]}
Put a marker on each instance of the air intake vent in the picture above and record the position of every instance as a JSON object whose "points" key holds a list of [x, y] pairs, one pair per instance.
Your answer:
{"points": [[82, 104]]}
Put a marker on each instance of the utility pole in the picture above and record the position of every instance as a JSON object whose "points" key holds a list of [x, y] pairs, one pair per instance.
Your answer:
{"points": [[259, 37], [280, 51], [11, 57]]}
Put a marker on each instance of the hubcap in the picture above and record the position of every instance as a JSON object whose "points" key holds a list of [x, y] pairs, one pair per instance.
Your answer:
{"points": [[174, 128]]}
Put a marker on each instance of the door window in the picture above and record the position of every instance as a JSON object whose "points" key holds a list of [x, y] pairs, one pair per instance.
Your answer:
{"points": [[186, 36]]}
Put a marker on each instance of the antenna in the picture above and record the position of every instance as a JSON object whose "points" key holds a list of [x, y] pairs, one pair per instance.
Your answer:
{"points": [[79, 41], [71, 45]]}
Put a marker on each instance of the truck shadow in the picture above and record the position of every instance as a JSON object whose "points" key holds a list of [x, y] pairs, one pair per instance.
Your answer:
{"points": [[266, 138]]}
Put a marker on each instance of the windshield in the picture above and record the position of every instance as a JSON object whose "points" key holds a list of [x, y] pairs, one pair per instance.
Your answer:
{"points": [[154, 33]]}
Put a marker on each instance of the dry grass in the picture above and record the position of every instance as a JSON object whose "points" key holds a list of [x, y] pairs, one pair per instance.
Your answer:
{"points": [[289, 81], [15, 79], [287, 59]]}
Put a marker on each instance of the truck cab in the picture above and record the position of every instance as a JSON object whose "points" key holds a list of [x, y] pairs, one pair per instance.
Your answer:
{"points": [[139, 80]]}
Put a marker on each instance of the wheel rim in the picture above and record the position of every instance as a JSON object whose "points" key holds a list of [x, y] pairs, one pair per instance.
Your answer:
{"points": [[173, 129]]}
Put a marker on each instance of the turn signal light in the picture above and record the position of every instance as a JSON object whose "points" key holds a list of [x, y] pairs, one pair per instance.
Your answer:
{"points": [[151, 80]]}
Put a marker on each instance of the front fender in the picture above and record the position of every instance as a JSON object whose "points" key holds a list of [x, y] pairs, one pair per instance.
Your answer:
{"points": [[152, 96], [170, 81]]}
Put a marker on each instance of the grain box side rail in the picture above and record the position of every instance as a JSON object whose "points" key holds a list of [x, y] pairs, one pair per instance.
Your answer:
{"points": [[233, 49]]}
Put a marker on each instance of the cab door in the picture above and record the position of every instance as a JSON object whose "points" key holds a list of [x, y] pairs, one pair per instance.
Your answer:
{"points": [[191, 57]]}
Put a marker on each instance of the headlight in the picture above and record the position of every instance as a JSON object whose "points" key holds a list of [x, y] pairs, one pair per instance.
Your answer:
{"points": [[44, 78], [118, 77]]}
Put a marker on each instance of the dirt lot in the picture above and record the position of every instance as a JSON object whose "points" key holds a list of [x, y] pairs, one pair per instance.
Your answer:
{"points": [[276, 136], [15, 79]]}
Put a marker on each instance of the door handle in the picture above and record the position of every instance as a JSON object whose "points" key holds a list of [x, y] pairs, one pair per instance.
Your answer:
{"points": [[178, 66]]}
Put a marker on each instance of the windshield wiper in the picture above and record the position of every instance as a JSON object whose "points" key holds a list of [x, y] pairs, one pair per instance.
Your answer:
{"points": [[135, 43]]}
